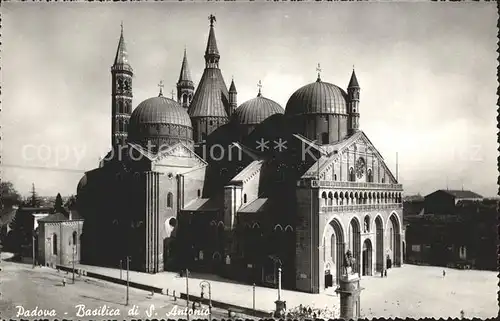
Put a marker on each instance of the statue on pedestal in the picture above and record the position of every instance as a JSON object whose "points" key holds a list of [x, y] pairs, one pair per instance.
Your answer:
{"points": [[349, 263]]}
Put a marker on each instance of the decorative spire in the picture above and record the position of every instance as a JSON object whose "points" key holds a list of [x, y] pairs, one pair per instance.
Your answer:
{"points": [[172, 92], [353, 83], [260, 87], [185, 74], [212, 52], [161, 88], [318, 69], [121, 57], [232, 88]]}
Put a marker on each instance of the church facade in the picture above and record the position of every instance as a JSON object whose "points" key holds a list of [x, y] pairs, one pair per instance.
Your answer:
{"points": [[199, 182]]}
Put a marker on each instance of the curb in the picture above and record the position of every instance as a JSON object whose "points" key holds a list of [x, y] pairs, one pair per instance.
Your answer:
{"points": [[217, 304]]}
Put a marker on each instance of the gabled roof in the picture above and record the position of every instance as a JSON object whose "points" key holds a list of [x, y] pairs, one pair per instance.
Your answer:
{"points": [[211, 97], [333, 151], [248, 171], [250, 152], [256, 206], [202, 205], [459, 193]]}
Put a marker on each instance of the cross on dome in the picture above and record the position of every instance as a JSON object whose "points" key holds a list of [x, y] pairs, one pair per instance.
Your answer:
{"points": [[260, 87], [318, 69], [161, 88]]}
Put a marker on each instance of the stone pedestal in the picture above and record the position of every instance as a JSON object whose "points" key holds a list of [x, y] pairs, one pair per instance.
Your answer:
{"points": [[280, 309], [349, 291]]}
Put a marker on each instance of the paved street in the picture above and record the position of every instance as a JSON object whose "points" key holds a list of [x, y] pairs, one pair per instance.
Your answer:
{"points": [[410, 291], [42, 289]]}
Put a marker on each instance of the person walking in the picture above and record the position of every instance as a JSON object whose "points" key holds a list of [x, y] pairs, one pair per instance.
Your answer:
{"points": [[385, 273], [444, 273], [462, 314]]}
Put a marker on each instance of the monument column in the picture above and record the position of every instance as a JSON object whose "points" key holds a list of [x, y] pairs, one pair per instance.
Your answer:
{"points": [[349, 291]]}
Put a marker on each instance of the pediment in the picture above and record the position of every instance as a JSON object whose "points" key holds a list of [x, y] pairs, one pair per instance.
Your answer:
{"points": [[179, 154], [358, 143]]}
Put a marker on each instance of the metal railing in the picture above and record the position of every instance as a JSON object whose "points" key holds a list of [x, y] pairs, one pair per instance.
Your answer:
{"points": [[335, 184], [359, 207]]}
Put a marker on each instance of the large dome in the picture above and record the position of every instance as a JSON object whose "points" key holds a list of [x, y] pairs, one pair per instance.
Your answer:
{"points": [[82, 183], [317, 98], [160, 120], [256, 110]]}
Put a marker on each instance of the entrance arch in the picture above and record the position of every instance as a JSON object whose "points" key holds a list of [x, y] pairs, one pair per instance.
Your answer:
{"points": [[354, 242], [394, 240], [334, 249], [379, 243], [367, 258]]}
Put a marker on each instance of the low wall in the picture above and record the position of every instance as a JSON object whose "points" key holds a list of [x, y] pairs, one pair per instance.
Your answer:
{"points": [[217, 304]]}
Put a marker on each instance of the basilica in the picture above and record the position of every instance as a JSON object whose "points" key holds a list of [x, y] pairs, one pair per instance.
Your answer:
{"points": [[197, 182]]}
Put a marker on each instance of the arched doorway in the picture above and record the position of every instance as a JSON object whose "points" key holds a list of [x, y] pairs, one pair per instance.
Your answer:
{"points": [[394, 240], [354, 242], [333, 252], [367, 257], [379, 243]]}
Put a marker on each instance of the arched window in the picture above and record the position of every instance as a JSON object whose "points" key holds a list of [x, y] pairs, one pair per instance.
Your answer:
{"points": [[352, 176], [184, 99], [74, 238], [383, 180], [54, 244], [369, 177], [170, 200], [199, 193], [244, 198], [334, 177]]}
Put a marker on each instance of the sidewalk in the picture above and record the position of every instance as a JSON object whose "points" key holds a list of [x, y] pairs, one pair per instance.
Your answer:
{"points": [[231, 293]]}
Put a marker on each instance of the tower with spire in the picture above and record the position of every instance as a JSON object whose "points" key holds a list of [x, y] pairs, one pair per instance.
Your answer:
{"points": [[353, 104], [121, 99], [233, 102], [210, 107], [185, 85]]}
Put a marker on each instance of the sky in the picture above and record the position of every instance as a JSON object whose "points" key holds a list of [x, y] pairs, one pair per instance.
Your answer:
{"points": [[427, 73]]}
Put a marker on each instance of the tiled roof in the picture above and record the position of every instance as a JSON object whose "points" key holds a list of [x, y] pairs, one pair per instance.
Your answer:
{"points": [[256, 206], [256, 110], [461, 193], [201, 205], [247, 171], [317, 98], [211, 97]]}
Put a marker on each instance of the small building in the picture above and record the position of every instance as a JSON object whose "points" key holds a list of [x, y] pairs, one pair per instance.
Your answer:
{"points": [[59, 239], [444, 202]]}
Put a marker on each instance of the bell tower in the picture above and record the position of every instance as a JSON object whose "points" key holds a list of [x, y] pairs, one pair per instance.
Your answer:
{"points": [[121, 94], [353, 104], [185, 85]]}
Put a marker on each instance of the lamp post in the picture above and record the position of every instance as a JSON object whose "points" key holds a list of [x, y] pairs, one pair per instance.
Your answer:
{"points": [[187, 294], [202, 285], [253, 301], [280, 305], [128, 267], [33, 245], [74, 264]]}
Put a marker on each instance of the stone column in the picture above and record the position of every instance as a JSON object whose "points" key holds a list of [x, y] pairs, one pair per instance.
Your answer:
{"points": [[349, 291]]}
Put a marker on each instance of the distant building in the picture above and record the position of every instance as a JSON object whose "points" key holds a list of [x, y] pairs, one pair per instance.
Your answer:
{"points": [[59, 239], [461, 231], [444, 202]]}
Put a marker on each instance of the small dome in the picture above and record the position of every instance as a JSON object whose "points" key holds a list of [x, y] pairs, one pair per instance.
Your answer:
{"points": [[317, 98], [256, 110], [160, 110], [82, 183]]}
